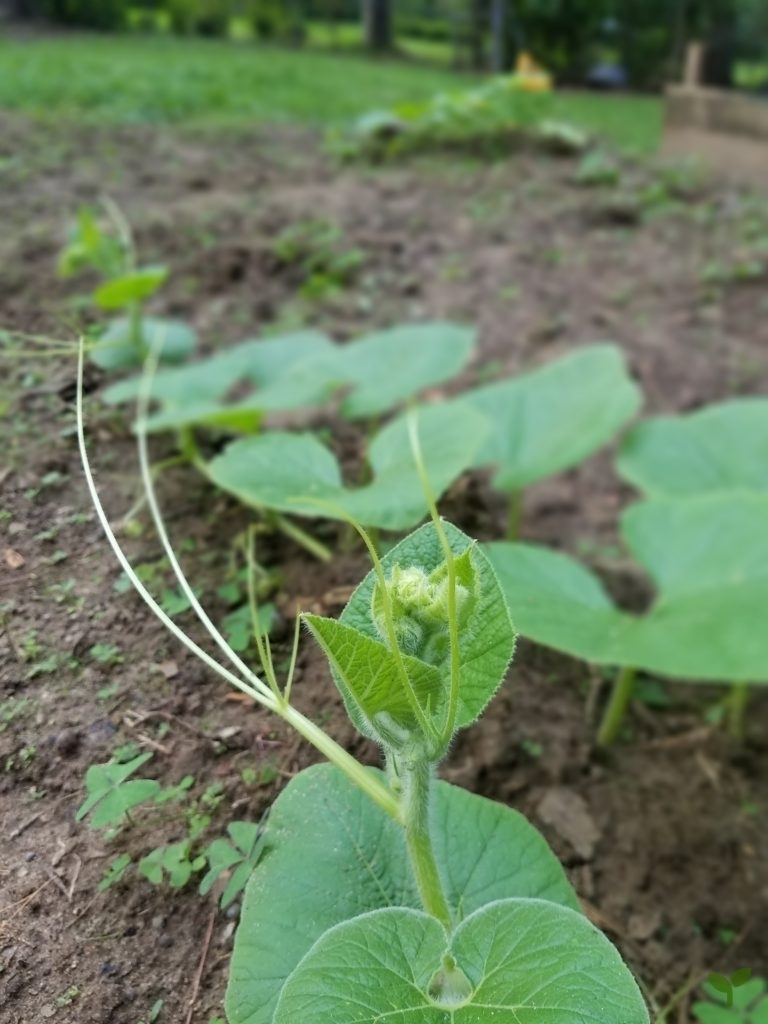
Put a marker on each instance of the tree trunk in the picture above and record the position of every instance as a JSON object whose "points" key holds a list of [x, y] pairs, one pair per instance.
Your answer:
{"points": [[20, 8], [377, 22], [498, 36], [477, 35]]}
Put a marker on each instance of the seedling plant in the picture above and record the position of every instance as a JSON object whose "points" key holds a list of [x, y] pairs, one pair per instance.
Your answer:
{"points": [[424, 901], [125, 286], [491, 116]]}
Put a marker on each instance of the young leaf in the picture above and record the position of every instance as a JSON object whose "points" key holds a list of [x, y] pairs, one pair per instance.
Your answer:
{"points": [[243, 853], [487, 637], [237, 626], [110, 796], [132, 287], [739, 978], [114, 872], [722, 447], [172, 860], [749, 1004], [722, 984], [368, 677], [485, 851], [553, 417], [517, 960]]}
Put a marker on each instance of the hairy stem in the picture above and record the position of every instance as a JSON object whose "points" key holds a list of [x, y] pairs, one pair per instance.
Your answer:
{"points": [[370, 782], [417, 785], [613, 716]]}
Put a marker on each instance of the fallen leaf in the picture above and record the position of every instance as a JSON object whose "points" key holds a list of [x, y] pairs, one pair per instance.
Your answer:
{"points": [[169, 669], [12, 558]]}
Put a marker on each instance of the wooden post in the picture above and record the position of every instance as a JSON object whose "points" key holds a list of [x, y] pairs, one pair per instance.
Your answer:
{"points": [[694, 62]]}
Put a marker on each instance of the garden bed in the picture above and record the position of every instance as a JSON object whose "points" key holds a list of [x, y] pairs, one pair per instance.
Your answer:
{"points": [[664, 838]]}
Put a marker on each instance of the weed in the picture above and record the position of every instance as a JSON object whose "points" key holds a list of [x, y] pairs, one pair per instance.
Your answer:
{"points": [[316, 248]]}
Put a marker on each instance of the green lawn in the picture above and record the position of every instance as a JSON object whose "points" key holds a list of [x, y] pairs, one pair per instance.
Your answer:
{"points": [[163, 79]]}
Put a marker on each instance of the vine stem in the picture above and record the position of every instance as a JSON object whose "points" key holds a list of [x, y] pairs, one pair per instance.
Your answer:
{"points": [[514, 515], [417, 786], [613, 716], [251, 684], [737, 707]]}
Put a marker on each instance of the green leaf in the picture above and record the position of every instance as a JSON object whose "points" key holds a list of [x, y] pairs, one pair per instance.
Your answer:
{"points": [[720, 983], [236, 387], [750, 1003], [173, 340], [709, 559], [237, 625], [386, 368], [172, 860], [109, 793], [243, 853], [129, 288], [485, 852], [114, 872], [368, 677], [722, 447], [739, 978], [295, 473], [517, 960], [487, 641], [555, 416]]}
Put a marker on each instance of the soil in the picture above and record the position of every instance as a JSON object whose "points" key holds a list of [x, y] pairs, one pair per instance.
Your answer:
{"points": [[665, 838]]}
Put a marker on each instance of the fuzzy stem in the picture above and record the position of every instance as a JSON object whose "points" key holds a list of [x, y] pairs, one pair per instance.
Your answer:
{"points": [[417, 780], [737, 707], [613, 717], [370, 782]]}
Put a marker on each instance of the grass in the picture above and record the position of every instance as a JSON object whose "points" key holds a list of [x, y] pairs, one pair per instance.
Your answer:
{"points": [[125, 79]]}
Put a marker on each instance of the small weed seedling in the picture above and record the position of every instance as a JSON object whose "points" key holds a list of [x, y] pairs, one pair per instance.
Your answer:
{"points": [[125, 287], [422, 902], [118, 802], [737, 999], [316, 247]]}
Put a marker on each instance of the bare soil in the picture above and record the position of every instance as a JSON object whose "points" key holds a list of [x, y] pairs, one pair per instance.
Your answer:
{"points": [[665, 839]]}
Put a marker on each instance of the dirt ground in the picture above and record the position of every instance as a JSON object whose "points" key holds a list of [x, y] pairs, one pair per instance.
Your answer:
{"points": [[665, 839]]}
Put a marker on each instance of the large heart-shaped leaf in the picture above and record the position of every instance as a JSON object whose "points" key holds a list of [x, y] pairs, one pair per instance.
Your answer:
{"points": [[235, 387], [514, 961], [487, 641], [296, 473], [723, 447], [709, 559], [387, 367], [116, 349], [358, 863], [553, 417]]}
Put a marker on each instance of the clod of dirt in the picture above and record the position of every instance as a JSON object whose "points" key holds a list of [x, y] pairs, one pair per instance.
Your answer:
{"points": [[564, 811]]}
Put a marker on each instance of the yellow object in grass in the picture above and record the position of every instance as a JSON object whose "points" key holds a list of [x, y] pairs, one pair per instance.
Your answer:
{"points": [[530, 76]]}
